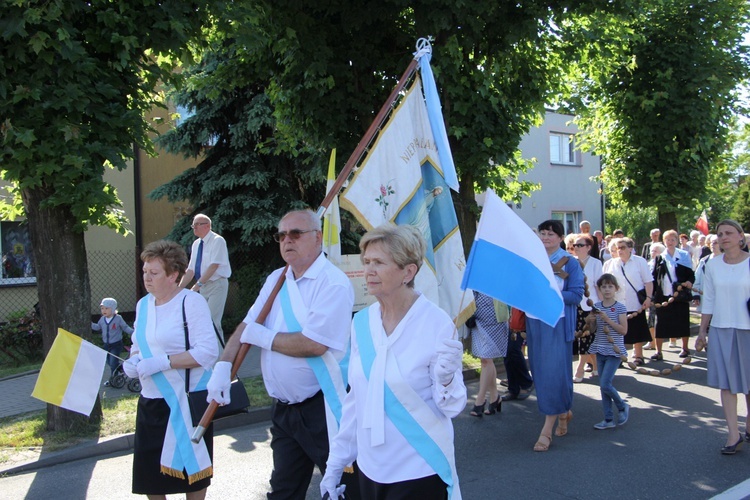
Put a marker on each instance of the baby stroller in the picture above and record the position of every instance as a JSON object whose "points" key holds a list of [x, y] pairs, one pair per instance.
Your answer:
{"points": [[119, 379]]}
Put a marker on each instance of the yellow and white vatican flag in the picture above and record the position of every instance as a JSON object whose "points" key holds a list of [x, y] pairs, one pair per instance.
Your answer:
{"points": [[331, 218], [401, 181], [71, 373]]}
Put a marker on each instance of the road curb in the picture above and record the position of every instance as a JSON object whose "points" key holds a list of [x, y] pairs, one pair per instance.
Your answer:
{"points": [[124, 443]]}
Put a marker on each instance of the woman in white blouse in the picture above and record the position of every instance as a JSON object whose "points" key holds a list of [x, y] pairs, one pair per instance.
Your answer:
{"points": [[406, 381], [726, 288]]}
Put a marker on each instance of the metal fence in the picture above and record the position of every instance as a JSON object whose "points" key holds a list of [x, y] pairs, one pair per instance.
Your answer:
{"points": [[117, 274]]}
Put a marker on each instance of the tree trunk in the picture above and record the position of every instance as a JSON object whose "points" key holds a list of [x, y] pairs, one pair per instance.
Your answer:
{"points": [[62, 283], [466, 211], [667, 221]]}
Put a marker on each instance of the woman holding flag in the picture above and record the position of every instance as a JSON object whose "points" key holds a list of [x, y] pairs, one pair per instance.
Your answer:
{"points": [[551, 348], [406, 381], [165, 461]]}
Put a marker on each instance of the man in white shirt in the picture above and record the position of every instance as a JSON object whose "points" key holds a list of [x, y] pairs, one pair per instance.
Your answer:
{"points": [[310, 318], [209, 265]]}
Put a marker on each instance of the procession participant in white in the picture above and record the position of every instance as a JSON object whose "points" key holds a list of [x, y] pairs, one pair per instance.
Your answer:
{"points": [[165, 461], [303, 339], [726, 288], [209, 265], [406, 381]]}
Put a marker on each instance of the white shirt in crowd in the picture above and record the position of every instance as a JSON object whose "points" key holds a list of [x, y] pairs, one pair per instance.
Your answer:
{"points": [[214, 252]]}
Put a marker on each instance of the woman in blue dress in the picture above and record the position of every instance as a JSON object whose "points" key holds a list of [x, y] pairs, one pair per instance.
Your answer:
{"points": [[550, 348]]}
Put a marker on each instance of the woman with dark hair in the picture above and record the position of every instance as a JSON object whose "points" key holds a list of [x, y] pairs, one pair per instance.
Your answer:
{"points": [[165, 461], [551, 348], [592, 270], [633, 274], [726, 288]]}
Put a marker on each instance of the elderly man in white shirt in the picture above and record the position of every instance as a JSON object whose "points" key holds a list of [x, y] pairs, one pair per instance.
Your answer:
{"points": [[303, 338], [209, 265]]}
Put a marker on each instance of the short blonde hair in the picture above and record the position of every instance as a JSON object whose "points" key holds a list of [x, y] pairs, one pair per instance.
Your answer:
{"points": [[670, 232], [405, 244]]}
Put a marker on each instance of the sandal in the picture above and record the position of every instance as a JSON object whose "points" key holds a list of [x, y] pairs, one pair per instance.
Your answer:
{"points": [[543, 445], [495, 407], [478, 410], [658, 357], [638, 361], [562, 424]]}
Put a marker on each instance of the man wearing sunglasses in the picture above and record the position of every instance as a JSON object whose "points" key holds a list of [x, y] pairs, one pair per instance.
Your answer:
{"points": [[209, 265], [306, 331]]}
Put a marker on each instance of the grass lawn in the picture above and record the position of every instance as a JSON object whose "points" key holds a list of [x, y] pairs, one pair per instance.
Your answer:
{"points": [[28, 431]]}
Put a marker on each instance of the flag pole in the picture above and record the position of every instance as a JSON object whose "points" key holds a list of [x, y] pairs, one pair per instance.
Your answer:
{"points": [[208, 415]]}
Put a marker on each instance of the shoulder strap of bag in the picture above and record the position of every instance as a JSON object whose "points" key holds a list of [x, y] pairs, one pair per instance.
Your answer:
{"points": [[187, 345], [622, 268]]}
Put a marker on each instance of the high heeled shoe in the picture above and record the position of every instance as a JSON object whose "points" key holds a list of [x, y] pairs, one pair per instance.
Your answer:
{"points": [[495, 407], [478, 410], [732, 449]]}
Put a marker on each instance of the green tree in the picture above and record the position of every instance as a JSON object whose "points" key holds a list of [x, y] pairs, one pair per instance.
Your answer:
{"points": [[658, 106], [75, 82], [326, 68]]}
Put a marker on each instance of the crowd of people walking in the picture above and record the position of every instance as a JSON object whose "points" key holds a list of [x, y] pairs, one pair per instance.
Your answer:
{"points": [[371, 400]]}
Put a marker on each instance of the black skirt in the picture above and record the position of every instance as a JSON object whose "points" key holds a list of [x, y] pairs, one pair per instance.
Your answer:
{"points": [[638, 329], [150, 428], [673, 321]]}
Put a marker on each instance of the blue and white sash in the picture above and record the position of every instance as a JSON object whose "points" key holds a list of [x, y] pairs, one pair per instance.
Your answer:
{"points": [[408, 412], [178, 452], [330, 374]]}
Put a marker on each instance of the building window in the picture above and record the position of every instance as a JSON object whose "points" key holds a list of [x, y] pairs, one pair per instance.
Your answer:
{"points": [[562, 149], [18, 261], [569, 220]]}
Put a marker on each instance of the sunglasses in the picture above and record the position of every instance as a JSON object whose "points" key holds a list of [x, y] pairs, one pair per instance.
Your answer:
{"points": [[293, 234], [580, 245]]}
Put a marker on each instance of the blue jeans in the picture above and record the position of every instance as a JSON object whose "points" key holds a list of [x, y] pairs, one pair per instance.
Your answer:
{"points": [[114, 349], [608, 365]]}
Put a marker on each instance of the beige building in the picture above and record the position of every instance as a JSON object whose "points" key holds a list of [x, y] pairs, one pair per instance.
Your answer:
{"points": [[114, 266]]}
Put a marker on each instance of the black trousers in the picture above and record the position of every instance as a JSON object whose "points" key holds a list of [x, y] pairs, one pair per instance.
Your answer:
{"points": [[299, 441], [430, 487], [515, 366]]}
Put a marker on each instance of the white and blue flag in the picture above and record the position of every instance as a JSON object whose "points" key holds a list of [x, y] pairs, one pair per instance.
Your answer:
{"points": [[509, 263]]}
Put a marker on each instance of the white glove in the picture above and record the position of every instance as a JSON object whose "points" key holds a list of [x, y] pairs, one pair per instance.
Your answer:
{"points": [[219, 384], [149, 366], [449, 360], [258, 335], [329, 484], [129, 366]]}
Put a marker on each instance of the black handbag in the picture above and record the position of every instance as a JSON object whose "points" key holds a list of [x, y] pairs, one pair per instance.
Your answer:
{"points": [[239, 401]]}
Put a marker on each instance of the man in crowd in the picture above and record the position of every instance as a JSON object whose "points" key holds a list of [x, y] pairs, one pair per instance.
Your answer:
{"points": [[310, 319], [585, 228], [209, 265], [655, 234]]}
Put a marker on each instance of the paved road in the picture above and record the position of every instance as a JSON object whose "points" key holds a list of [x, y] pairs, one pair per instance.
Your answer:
{"points": [[668, 450]]}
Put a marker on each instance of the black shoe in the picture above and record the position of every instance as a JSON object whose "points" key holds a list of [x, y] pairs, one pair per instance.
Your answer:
{"points": [[747, 436], [509, 397], [478, 410], [525, 393], [657, 357], [495, 407], [731, 450], [685, 353]]}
